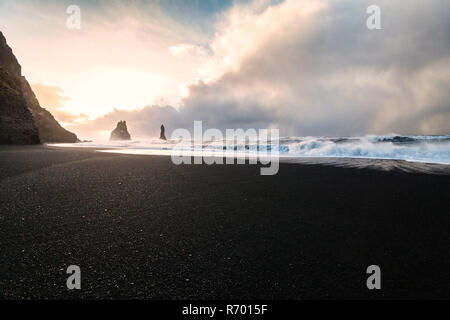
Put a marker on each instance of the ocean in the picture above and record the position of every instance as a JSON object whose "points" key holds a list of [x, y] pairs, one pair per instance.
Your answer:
{"points": [[356, 151]]}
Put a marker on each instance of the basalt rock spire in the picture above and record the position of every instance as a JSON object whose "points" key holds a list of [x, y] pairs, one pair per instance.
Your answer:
{"points": [[120, 132]]}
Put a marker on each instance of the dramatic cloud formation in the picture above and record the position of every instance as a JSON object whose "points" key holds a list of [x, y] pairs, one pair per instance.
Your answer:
{"points": [[120, 57], [308, 67], [312, 67]]}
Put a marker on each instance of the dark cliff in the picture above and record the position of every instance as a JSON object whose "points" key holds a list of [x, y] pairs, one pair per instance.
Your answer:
{"points": [[20, 112], [16, 122]]}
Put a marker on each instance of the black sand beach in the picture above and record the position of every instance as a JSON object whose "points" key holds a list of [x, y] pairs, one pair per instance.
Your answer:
{"points": [[141, 227]]}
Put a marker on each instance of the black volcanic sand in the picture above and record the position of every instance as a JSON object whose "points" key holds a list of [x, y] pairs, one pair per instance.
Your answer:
{"points": [[141, 227]]}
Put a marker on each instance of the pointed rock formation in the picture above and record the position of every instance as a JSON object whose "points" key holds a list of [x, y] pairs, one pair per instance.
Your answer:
{"points": [[120, 132], [16, 97], [162, 136]]}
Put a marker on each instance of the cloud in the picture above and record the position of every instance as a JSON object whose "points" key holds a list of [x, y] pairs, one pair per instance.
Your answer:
{"points": [[119, 58], [195, 51], [311, 67], [52, 98]]}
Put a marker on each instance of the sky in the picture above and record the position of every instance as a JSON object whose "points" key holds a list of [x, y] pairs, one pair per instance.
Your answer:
{"points": [[307, 67]]}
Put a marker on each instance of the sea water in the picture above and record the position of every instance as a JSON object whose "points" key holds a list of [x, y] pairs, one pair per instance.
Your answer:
{"points": [[425, 149]]}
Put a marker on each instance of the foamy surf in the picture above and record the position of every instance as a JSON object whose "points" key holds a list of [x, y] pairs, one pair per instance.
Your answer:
{"points": [[423, 149]]}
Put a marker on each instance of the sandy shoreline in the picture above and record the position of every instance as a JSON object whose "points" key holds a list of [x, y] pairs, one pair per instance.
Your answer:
{"points": [[141, 227]]}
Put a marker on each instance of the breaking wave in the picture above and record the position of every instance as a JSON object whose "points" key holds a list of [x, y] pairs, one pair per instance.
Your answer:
{"points": [[427, 149], [431, 149]]}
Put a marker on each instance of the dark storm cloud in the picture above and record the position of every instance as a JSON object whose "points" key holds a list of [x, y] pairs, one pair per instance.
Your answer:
{"points": [[340, 78], [326, 73]]}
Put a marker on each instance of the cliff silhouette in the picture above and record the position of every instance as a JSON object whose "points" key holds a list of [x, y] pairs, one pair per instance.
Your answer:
{"points": [[22, 119]]}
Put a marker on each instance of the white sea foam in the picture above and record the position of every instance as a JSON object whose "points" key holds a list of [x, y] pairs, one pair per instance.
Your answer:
{"points": [[428, 149]]}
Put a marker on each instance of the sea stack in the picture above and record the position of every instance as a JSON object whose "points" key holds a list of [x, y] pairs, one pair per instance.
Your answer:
{"points": [[120, 132], [22, 119], [162, 136]]}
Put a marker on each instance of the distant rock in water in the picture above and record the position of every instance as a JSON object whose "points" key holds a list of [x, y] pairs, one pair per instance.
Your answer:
{"points": [[162, 136], [398, 139], [22, 119], [120, 132]]}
